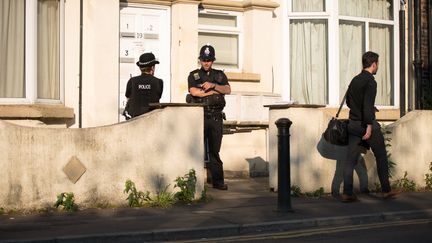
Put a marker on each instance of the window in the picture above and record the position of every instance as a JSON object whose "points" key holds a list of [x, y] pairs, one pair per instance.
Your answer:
{"points": [[326, 42], [367, 26], [308, 6], [309, 52], [309, 61], [30, 36], [222, 30]]}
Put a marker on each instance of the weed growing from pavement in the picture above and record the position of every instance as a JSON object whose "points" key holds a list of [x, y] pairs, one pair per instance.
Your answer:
{"points": [[296, 191], [405, 183], [317, 193], [163, 199], [387, 141], [204, 196], [135, 198], [2, 211], [428, 178], [66, 201], [187, 184]]}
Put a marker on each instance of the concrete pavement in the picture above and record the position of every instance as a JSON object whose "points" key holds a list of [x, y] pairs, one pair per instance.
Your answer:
{"points": [[248, 207]]}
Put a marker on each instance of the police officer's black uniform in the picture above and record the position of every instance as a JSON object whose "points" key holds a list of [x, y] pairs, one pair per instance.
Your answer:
{"points": [[213, 117], [144, 89]]}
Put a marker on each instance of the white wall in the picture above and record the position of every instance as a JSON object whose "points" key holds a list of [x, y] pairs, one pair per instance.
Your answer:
{"points": [[146, 150], [100, 62], [411, 140], [410, 149]]}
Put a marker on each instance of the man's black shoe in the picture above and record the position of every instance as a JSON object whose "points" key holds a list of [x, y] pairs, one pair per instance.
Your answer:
{"points": [[221, 186], [348, 198]]}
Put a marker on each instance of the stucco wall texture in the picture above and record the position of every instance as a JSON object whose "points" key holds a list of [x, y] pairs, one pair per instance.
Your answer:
{"points": [[410, 140], [151, 150]]}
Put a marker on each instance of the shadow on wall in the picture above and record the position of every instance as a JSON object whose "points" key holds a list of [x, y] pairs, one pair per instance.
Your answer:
{"points": [[258, 167]]}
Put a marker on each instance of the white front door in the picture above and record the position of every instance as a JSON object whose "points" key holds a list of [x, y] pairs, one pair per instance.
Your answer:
{"points": [[144, 29]]}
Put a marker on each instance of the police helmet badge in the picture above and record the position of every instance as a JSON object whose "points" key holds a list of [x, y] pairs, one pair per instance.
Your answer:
{"points": [[207, 51]]}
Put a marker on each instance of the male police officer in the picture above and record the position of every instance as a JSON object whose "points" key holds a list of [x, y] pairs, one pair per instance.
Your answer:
{"points": [[208, 86], [144, 89]]}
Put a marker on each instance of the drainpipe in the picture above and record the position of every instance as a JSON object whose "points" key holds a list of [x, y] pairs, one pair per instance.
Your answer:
{"points": [[417, 55], [80, 67], [402, 93], [430, 46]]}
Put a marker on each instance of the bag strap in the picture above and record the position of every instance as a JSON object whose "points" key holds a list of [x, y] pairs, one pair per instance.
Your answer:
{"points": [[343, 101]]}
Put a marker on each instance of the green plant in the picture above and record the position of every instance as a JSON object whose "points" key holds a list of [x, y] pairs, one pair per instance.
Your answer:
{"points": [[163, 199], [204, 196], [427, 102], [387, 141], [377, 187], [187, 185], [135, 198], [405, 183], [2, 211], [428, 178], [296, 191], [66, 201], [317, 193]]}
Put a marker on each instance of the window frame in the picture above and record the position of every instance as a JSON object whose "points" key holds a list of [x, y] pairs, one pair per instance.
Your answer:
{"points": [[331, 14], [30, 57], [238, 30]]}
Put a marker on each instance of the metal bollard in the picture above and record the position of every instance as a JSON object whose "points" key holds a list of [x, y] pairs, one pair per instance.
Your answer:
{"points": [[284, 174]]}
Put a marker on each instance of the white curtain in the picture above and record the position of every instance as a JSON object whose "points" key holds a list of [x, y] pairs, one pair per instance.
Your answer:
{"points": [[377, 9], [48, 66], [351, 49], [308, 5], [380, 41], [308, 47], [12, 82]]}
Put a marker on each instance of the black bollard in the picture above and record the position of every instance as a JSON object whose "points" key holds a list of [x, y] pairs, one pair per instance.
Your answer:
{"points": [[284, 174]]}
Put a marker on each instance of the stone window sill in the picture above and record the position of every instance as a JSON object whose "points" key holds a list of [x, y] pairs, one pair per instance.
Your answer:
{"points": [[243, 77], [36, 111]]}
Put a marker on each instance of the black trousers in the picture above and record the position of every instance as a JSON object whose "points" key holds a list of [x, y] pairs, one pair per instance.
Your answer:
{"points": [[213, 128], [376, 143]]}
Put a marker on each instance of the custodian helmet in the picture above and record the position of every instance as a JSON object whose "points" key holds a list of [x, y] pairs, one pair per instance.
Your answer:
{"points": [[207, 52]]}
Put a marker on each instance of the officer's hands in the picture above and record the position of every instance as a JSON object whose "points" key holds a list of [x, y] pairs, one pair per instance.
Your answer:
{"points": [[207, 86], [368, 132]]}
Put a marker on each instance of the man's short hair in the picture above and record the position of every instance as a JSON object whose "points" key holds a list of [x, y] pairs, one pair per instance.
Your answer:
{"points": [[369, 58], [146, 69]]}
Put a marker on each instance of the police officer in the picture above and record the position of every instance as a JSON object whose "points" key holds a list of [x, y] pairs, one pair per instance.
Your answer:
{"points": [[209, 86], [144, 89]]}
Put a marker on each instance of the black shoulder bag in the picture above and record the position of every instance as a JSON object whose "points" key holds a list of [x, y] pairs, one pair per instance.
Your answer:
{"points": [[336, 132]]}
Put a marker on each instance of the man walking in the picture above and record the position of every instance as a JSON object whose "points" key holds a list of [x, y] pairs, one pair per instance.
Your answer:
{"points": [[209, 86], [363, 126]]}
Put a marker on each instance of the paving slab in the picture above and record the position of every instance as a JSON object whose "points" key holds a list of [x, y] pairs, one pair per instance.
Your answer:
{"points": [[248, 207]]}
